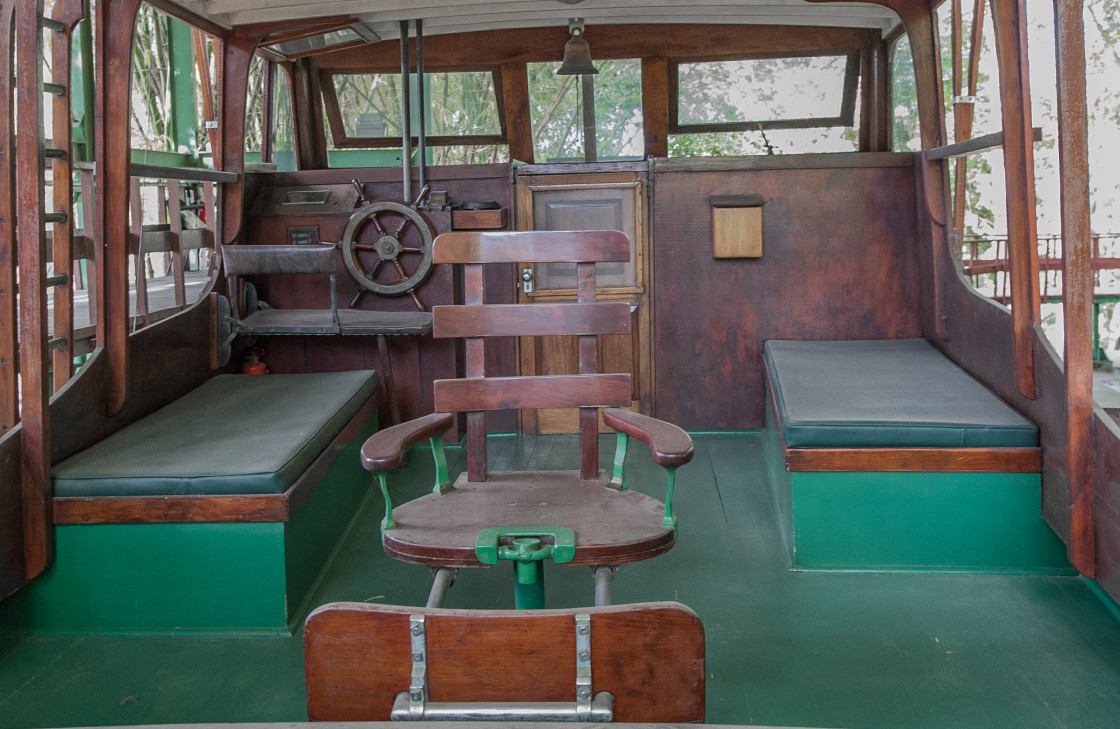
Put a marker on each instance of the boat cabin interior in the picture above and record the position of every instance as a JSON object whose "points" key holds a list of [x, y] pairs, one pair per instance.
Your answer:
{"points": [[675, 304]]}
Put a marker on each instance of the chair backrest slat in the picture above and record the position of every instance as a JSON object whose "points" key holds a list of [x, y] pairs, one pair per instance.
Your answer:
{"points": [[650, 656], [537, 246], [516, 320], [247, 260], [550, 391]]}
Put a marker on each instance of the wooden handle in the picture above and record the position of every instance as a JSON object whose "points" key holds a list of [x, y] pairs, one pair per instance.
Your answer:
{"points": [[671, 446]]}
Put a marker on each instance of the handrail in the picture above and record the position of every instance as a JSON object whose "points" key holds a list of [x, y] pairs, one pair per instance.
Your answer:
{"points": [[183, 174], [974, 145], [190, 174]]}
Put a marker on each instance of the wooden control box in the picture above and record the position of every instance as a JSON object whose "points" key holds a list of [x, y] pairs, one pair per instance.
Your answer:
{"points": [[736, 226]]}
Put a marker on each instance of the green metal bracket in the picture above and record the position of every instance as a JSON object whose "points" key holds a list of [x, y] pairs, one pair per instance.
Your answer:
{"points": [[622, 442], [561, 550], [443, 479], [387, 522], [527, 552], [670, 518]]}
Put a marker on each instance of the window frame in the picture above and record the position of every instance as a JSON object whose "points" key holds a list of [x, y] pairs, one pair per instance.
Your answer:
{"points": [[342, 140], [847, 103]]}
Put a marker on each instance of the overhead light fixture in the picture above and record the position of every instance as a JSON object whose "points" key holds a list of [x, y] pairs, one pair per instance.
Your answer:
{"points": [[577, 54]]}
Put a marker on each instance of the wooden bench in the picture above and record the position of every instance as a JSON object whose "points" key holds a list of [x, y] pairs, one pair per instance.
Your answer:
{"points": [[217, 512], [888, 455]]}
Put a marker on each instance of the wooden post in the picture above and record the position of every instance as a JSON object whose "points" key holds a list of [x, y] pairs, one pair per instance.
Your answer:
{"points": [[655, 106], [1077, 278], [115, 25], [38, 542], [1010, 24], [515, 97], [9, 393]]}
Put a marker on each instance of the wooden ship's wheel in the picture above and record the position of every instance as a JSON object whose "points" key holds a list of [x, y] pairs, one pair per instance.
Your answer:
{"points": [[401, 256]]}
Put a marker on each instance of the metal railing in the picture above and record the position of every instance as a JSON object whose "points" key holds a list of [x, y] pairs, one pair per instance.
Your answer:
{"points": [[987, 266]]}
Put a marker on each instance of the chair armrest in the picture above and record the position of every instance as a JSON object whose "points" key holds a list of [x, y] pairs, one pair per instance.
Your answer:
{"points": [[671, 446], [384, 450]]}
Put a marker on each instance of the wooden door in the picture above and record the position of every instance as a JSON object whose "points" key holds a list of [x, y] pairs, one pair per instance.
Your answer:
{"points": [[599, 201]]}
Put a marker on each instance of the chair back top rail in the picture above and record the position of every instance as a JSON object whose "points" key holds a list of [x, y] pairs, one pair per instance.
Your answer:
{"points": [[520, 393], [518, 320], [246, 259], [539, 246]]}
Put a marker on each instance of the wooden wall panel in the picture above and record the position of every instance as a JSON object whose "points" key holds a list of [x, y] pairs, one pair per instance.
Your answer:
{"points": [[839, 262], [1106, 484], [417, 361]]}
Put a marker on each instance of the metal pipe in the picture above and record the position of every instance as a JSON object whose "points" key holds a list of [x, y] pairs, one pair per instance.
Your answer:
{"points": [[406, 114], [587, 86], [442, 580], [603, 575], [421, 109]]}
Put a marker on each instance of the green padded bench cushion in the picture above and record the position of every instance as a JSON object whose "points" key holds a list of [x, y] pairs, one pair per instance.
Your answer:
{"points": [[899, 393], [235, 434]]}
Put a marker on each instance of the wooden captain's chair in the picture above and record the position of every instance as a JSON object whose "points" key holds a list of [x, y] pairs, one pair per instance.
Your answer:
{"points": [[581, 517]]}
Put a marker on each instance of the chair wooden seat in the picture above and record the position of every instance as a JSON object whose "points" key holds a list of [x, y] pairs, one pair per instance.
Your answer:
{"points": [[612, 527]]}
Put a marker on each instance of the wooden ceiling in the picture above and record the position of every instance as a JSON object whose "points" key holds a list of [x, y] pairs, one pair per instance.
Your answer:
{"points": [[383, 17]]}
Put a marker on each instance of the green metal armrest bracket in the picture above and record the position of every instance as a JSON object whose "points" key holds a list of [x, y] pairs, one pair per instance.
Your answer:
{"points": [[443, 480], [619, 477]]}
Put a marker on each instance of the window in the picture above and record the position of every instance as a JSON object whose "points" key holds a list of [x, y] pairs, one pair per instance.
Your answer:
{"points": [[558, 115], [905, 132], [269, 84], [463, 120], [764, 105]]}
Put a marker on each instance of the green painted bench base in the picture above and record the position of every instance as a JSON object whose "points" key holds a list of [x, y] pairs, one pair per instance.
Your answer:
{"points": [[201, 578], [912, 521], [986, 522]]}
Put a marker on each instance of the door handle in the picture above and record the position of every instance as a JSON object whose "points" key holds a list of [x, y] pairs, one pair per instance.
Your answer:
{"points": [[527, 280]]}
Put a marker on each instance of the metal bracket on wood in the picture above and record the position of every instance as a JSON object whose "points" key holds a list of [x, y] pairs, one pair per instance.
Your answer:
{"points": [[413, 705]]}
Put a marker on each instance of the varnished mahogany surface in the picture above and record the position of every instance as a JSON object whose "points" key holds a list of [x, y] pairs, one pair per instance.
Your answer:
{"points": [[839, 262], [440, 529], [650, 656]]}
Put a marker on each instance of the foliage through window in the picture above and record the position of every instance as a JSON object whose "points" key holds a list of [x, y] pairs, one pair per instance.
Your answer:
{"points": [[768, 93], [558, 116], [764, 105], [167, 89], [463, 124], [905, 133]]}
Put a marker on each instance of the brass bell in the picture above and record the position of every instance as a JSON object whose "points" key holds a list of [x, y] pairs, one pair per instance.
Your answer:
{"points": [[577, 55]]}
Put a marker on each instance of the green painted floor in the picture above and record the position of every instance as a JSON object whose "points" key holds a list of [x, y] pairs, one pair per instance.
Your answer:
{"points": [[784, 648]]}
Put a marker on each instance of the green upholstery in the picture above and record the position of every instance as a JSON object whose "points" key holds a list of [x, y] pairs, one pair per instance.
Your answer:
{"points": [[236, 434], [886, 393]]}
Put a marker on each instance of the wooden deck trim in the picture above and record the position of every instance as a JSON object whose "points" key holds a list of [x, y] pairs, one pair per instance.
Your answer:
{"points": [[898, 460], [978, 460], [217, 508]]}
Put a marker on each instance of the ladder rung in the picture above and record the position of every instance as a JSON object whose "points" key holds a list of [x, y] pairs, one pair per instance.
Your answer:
{"points": [[55, 25], [54, 153], [59, 279], [58, 217], [56, 343], [56, 89]]}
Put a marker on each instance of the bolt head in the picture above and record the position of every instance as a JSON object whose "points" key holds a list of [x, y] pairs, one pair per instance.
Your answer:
{"points": [[417, 657], [584, 692], [416, 630], [584, 656], [416, 696], [584, 629]]}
